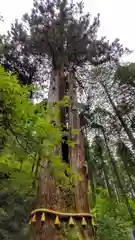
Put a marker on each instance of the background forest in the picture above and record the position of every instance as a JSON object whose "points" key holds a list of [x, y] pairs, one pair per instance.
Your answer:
{"points": [[57, 32]]}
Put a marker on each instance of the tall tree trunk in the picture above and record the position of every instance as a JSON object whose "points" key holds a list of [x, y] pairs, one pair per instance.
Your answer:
{"points": [[50, 195], [77, 154], [118, 114]]}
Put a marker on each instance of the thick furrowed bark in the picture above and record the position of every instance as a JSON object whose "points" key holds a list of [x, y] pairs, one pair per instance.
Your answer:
{"points": [[77, 157], [50, 195]]}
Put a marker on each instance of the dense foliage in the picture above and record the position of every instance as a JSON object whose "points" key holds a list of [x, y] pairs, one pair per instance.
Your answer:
{"points": [[27, 138], [113, 219]]}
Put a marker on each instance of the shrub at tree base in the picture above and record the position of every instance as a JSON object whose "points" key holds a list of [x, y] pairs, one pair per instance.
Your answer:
{"points": [[112, 218]]}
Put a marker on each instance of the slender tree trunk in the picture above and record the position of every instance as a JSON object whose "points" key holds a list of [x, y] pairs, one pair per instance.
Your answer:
{"points": [[118, 177], [109, 189], [129, 176], [90, 173], [116, 193], [118, 114]]}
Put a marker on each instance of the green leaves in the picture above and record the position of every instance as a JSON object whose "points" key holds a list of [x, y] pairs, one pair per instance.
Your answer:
{"points": [[126, 74], [27, 124], [112, 219], [28, 139], [29, 133]]}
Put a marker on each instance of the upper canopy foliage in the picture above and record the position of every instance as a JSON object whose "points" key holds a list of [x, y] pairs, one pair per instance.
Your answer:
{"points": [[57, 31], [126, 74]]}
